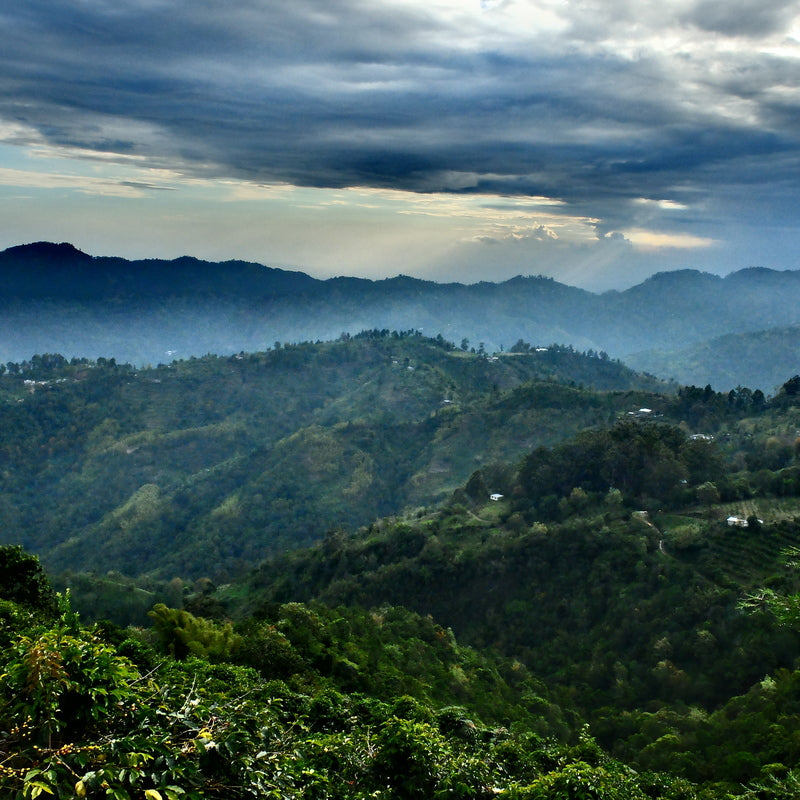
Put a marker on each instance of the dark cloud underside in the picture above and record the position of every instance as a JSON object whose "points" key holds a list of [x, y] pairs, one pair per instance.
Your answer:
{"points": [[342, 93]]}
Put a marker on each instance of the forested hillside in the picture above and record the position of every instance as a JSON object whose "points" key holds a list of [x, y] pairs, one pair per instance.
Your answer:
{"points": [[206, 466], [768, 355], [502, 550], [460, 651], [317, 703], [610, 568]]}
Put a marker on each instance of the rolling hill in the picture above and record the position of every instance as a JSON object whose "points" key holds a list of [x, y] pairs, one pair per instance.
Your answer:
{"points": [[205, 466], [760, 359]]}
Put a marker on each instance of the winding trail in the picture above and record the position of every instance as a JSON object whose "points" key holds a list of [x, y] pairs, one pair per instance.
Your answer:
{"points": [[649, 524]]}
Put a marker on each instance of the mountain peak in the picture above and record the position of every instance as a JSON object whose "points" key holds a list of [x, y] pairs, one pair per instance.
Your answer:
{"points": [[674, 276], [49, 250]]}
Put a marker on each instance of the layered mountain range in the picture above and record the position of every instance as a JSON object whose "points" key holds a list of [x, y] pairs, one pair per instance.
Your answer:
{"points": [[58, 299]]}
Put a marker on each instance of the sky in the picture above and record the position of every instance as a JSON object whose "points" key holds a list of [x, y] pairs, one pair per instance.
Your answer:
{"points": [[594, 141]]}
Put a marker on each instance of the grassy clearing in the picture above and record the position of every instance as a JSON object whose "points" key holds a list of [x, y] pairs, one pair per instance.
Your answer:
{"points": [[770, 510]]}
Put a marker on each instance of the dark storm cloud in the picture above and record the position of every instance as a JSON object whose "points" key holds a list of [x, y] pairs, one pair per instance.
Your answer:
{"points": [[342, 93], [742, 17]]}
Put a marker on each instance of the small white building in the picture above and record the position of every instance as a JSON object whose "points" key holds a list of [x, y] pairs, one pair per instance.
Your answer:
{"points": [[496, 496], [741, 522]]}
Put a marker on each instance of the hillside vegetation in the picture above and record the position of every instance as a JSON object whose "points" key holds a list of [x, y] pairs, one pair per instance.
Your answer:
{"points": [[204, 467], [609, 569], [460, 651], [529, 576], [193, 710], [769, 355]]}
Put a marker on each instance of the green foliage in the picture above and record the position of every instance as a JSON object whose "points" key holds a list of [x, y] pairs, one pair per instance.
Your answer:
{"points": [[640, 460], [61, 680], [783, 606], [630, 621], [579, 781], [391, 652], [22, 580], [618, 614], [64, 681], [181, 634], [78, 720], [267, 649], [707, 493]]}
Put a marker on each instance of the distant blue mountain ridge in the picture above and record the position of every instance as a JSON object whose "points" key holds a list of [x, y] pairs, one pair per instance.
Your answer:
{"points": [[56, 298]]}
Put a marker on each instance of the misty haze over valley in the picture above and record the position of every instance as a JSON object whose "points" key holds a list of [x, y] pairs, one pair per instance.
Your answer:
{"points": [[690, 326]]}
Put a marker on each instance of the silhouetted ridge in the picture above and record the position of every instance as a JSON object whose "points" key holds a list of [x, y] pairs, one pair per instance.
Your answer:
{"points": [[62, 272], [44, 251]]}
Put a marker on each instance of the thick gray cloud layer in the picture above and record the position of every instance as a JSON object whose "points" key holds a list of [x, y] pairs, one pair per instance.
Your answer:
{"points": [[597, 104]]}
